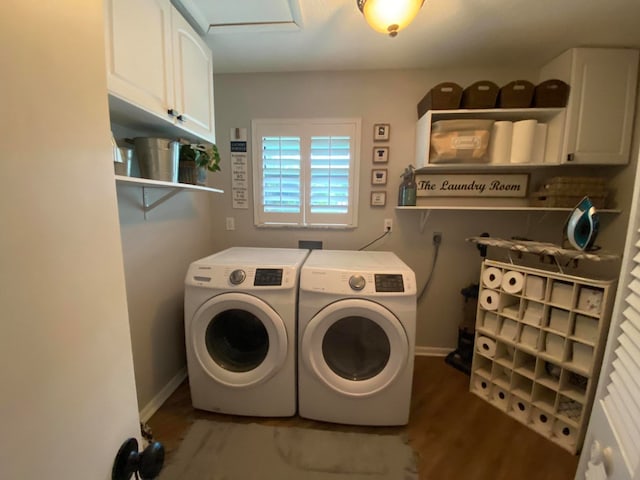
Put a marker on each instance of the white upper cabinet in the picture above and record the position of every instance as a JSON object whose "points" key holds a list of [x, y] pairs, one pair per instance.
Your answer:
{"points": [[138, 42], [159, 70], [193, 78], [601, 105]]}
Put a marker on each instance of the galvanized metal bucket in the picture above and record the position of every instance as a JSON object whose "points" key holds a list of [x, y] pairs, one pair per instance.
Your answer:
{"points": [[158, 158]]}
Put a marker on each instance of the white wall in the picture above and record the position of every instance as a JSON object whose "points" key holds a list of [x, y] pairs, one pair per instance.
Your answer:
{"points": [[376, 97], [68, 393]]}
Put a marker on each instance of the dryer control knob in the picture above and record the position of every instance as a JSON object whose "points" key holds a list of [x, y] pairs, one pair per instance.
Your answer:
{"points": [[237, 277], [357, 282]]}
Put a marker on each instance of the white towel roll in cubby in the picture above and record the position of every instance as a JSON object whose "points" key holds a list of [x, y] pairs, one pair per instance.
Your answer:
{"points": [[492, 277], [500, 398], [481, 385], [539, 143], [512, 282], [564, 433], [489, 299], [490, 322], [520, 409], [486, 346], [542, 420]]}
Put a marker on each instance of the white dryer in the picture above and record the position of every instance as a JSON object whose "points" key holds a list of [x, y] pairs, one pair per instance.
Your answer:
{"points": [[240, 330], [356, 340]]}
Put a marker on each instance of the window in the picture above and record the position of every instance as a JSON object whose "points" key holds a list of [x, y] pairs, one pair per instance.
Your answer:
{"points": [[305, 172]]}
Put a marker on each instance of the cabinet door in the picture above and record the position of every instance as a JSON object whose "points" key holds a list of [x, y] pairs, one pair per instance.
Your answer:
{"points": [[601, 103], [138, 47], [193, 76]]}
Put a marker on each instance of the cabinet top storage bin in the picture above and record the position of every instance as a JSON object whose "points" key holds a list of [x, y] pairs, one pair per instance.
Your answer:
{"points": [[551, 94], [516, 94], [482, 94], [444, 96]]}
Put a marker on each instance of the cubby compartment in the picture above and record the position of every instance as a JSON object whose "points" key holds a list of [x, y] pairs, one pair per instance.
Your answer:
{"points": [[482, 366], [535, 287], [521, 386], [509, 306], [501, 375], [532, 313], [529, 337], [569, 410], [580, 356], [545, 331], [509, 330], [590, 300], [558, 321], [520, 409], [504, 354], [574, 385], [548, 374], [544, 398], [524, 364], [489, 322], [585, 329], [553, 346], [561, 294], [499, 397]]}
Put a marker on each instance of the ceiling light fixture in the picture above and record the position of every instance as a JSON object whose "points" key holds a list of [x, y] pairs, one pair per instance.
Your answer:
{"points": [[389, 16]]}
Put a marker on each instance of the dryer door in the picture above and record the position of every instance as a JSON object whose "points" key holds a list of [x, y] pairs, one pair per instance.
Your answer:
{"points": [[356, 347], [238, 339]]}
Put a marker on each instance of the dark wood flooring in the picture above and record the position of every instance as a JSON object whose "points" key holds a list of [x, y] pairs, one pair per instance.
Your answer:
{"points": [[455, 434]]}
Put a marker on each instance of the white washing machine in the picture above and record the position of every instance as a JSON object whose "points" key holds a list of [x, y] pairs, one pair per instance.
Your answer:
{"points": [[356, 337], [240, 331]]}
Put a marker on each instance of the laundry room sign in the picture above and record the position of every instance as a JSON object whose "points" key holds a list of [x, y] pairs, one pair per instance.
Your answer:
{"points": [[471, 185]]}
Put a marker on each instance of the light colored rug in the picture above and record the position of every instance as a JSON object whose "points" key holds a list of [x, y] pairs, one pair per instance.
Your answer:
{"points": [[229, 451]]}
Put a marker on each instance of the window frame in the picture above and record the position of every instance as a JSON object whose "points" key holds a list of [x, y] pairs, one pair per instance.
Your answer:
{"points": [[306, 128]]}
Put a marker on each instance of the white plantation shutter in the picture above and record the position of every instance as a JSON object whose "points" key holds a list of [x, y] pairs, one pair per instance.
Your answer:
{"points": [[621, 402], [306, 172], [281, 174]]}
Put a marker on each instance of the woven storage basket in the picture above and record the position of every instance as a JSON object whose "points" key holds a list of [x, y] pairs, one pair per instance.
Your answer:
{"points": [[551, 94], [444, 96], [545, 199], [516, 94], [187, 172], [482, 94]]}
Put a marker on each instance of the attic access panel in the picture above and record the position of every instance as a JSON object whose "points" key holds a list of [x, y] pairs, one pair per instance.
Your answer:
{"points": [[231, 16]]}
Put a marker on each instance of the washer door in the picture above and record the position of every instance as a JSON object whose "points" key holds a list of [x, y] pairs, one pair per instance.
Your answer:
{"points": [[238, 339], [356, 347]]}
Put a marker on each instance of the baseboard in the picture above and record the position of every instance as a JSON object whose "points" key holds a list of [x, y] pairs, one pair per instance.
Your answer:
{"points": [[156, 402], [433, 351]]}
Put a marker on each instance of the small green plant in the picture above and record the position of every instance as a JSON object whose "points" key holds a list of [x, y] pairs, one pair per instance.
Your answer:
{"points": [[205, 155]]}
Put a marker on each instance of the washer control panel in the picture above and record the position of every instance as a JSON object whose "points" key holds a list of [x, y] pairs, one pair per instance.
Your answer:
{"points": [[267, 277], [389, 283], [237, 277]]}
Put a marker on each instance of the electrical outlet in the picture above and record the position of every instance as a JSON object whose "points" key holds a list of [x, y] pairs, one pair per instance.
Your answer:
{"points": [[231, 223], [437, 238], [388, 224]]}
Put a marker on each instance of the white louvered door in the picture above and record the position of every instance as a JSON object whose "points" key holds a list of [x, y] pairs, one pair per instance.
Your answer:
{"points": [[612, 444]]}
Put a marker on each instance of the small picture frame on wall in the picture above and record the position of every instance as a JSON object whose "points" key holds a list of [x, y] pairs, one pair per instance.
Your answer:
{"points": [[378, 199], [379, 176], [381, 132], [380, 154]]}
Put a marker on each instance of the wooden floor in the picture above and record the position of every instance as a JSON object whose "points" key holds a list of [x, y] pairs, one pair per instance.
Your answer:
{"points": [[455, 434]]}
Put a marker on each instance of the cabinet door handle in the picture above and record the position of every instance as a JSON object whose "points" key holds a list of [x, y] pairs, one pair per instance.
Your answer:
{"points": [[172, 112], [181, 118], [570, 157]]}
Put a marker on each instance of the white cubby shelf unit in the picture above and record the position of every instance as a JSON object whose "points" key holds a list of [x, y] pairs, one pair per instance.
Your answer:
{"points": [[540, 338]]}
